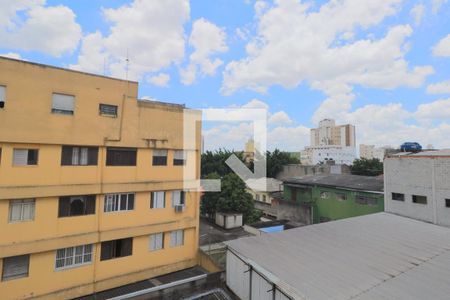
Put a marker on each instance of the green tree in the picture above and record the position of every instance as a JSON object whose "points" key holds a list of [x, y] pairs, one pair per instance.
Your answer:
{"points": [[276, 160], [214, 162], [367, 167], [233, 197], [208, 203]]}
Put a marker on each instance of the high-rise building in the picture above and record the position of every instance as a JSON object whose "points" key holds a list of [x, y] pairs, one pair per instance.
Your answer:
{"points": [[94, 191], [330, 142], [328, 134]]}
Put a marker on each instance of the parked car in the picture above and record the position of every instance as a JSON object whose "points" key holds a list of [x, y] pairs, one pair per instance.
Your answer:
{"points": [[411, 147]]}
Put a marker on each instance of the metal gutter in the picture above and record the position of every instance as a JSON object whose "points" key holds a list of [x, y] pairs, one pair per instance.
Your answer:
{"points": [[159, 287]]}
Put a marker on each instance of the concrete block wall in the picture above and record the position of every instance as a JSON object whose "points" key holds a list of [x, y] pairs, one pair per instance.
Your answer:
{"points": [[423, 176]]}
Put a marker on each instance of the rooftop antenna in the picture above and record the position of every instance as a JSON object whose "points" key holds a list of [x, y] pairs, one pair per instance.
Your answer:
{"points": [[127, 65]]}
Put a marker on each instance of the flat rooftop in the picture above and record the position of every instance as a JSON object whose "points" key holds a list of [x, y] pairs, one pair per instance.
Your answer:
{"points": [[430, 153], [378, 256], [345, 181]]}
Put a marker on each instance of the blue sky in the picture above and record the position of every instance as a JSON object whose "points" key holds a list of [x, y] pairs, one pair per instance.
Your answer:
{"points": [[383, 66]]}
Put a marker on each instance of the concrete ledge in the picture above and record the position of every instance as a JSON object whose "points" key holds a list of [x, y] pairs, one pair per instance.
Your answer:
{"points": [[52, 244], [113, 282]]}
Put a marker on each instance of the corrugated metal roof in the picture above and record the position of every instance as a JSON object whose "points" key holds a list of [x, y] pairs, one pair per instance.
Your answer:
{"points": [[356, 182], [379, 256]]}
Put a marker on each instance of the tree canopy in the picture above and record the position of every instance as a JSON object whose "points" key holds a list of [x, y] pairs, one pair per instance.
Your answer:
{"points": [[232, 198], [276, 160], [214, 162], [367, 167]]}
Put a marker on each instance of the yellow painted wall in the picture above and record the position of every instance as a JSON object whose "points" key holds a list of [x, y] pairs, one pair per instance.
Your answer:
{"points": [[27, 122]]}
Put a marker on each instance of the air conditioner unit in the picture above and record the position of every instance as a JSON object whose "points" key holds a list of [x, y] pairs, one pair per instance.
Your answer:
{"points": [[179, 208]]}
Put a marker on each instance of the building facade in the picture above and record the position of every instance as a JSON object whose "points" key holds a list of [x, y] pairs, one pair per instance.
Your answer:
{"points": [[371, 152], [418, 186], [328, 133], [322, 154], [330, 142], [266, 195], [331, 197], [94, 192]]}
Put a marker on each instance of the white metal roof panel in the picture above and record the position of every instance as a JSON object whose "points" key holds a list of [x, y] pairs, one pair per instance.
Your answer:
{"points": [[370, 257]]}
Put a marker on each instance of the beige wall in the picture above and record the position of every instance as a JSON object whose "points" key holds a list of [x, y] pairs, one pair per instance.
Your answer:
{"points": [[27, 122]]}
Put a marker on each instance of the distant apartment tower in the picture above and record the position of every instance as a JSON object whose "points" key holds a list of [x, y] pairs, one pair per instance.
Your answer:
{"points": [[418, 186], [330, 143], [328, 134], [371, 152], [93, 193]]}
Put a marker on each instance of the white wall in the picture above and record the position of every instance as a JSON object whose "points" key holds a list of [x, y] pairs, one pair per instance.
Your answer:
{"points": [[238, 276], [238, 280], [428, 177]]}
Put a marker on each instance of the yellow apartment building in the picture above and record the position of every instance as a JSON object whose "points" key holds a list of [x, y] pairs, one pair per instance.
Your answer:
{"points": [[92, 189]]}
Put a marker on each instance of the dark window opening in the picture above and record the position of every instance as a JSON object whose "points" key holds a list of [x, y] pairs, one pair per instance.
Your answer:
{"points": [[121, 156], [79, 156], [293, 195], [419, 199], [398, 197], [32, 157], [76, 206], [447, 202], [116, 248], [159, 158], [108, 110], [341, 196], [365, 200]]}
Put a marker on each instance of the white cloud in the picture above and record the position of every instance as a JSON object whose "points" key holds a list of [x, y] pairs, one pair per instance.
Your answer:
{"points": [[392, 124], [417, 13], [149, 33], [229, 136], [280, 117], [256, 103], [442, 48], [31, 25], [437, 110], [207, 39], [436, 5], [162, 79], [439, 88], [288, 138], [295, 44], [233, 135], [12, 55]]}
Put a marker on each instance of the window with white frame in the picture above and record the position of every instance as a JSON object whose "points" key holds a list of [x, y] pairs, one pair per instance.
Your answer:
{"points": [[156, 241], [178, 198], [21, 210], [25, 157], [179, 157], [15, 267], [119, 202], [158, 200], [176, 238], [2, 96], [63, 104], [73, 256]]}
